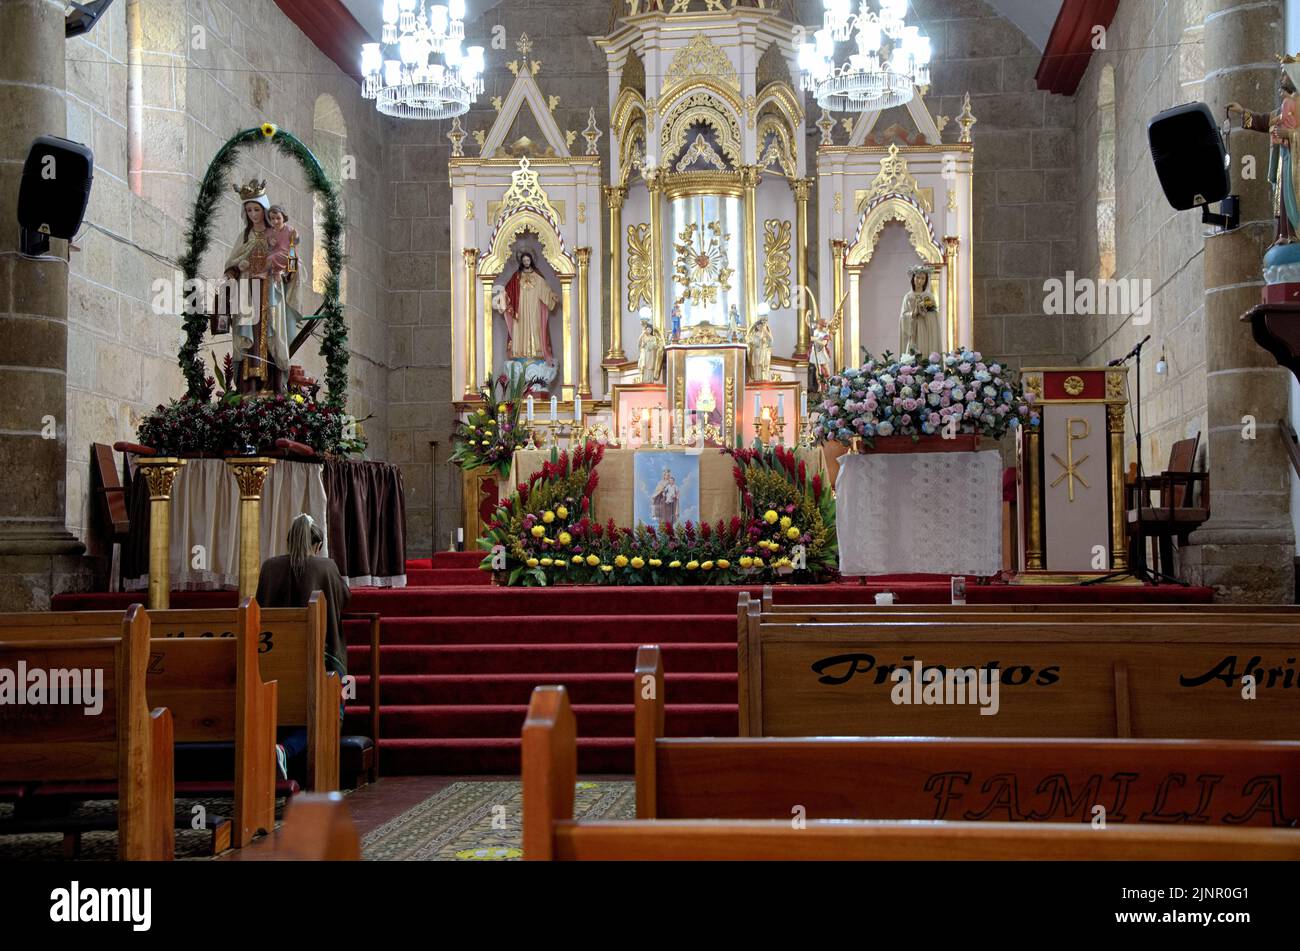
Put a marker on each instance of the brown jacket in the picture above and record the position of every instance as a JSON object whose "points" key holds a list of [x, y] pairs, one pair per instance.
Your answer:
{"points": [[278, 588]]}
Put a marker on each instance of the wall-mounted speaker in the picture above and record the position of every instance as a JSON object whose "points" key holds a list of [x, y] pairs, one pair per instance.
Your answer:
{"points": [[54, 192]]}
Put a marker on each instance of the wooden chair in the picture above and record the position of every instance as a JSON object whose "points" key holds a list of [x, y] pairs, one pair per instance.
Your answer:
{"points": [[550, 832], [113, 508], [1179, 511], [127, 743], [1052, 780]]}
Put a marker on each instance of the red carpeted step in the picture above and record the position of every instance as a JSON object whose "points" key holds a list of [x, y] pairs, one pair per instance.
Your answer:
{"points": [[648, 629], [525, 658], [493, 755], [437, 577], [568, 602], [507, 720], [407, 689]]}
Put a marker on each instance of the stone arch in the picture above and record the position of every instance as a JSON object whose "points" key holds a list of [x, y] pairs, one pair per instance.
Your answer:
{"points": [[895, 208]]}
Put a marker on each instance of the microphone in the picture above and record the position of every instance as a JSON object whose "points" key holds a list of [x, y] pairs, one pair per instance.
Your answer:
{"points": [[1120, 361]]}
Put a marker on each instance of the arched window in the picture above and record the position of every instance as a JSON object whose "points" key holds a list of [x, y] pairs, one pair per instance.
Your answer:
{"points": [[329, 143], [1106, 173]]}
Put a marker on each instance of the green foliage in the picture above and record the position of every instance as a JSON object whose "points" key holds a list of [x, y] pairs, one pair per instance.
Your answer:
{"points": [[492, 433]]}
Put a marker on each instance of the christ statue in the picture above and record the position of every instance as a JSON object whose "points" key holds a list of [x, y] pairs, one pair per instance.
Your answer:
{"points": [[528, 304], [666, 498]]}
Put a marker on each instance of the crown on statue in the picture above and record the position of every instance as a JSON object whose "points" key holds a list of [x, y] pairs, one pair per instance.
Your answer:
{"points": [[918, 269], [252, 191]]}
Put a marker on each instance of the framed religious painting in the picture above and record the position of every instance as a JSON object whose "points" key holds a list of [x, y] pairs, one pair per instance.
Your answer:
{"points": [[703, 391], [666, 488], [641, 413]]}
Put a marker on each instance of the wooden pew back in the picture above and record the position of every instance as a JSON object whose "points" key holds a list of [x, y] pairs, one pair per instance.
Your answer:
{"points": [[1126, 676], [125, 742], [550, 832], [318, 828], [1053, 780]]}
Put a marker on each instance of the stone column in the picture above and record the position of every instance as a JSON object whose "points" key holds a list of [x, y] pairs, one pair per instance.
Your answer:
{"points": [[471, 325], [749, 176], [584, 355], [38, 556], [1246, 550], [614, 197], [654, 181], [802, 190]]}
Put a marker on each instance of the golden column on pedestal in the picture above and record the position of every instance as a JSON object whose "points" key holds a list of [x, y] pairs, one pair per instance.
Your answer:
{"points": [[159, 474], [250, 474], [584, 356], [471, 324], [1031, 471], [614, 198], [654, 179], [802, 190], [951, 245], [749, 176], [839, 249], [1118, 525]]}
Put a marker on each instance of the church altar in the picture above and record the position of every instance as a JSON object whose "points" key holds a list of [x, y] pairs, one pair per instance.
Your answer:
{"points": [[360, 505], [615, 493], [920, 513]]}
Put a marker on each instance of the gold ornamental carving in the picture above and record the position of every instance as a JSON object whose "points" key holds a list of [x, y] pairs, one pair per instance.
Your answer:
{"points": [[526, 191], [895, 178], [250, 474], [1115, 417], [160, 474], [700, 150], [776, 255], [1074, 385], [702, 267], [700, 107], [966, 120], [1034, 385], [1069, 466], [640, 279], [705, 333], [700, 59], [1116, 386]]}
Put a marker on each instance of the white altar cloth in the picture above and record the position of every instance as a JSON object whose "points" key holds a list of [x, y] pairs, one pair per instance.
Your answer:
{"points": [[919, 513]]}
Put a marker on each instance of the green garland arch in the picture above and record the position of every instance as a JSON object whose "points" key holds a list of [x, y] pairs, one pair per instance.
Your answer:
{"points": [[334, 339]]}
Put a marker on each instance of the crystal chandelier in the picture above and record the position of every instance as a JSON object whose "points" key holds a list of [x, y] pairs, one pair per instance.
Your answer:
{"points": [[431, 76], [892, 58]]}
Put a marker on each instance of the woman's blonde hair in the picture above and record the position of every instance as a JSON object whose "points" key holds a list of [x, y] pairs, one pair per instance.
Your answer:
{"points": [[304, 536]]}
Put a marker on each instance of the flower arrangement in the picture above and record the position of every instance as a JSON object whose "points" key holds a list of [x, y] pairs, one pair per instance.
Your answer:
{"points": [[248, 426], [912, 396], [490, 436], [549, 534]]}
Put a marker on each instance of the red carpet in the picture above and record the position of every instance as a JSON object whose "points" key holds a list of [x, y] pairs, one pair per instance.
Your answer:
{"points": [[460, 658]]}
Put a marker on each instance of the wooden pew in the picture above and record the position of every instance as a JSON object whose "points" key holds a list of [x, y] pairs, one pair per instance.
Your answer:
{"points": [[769, 607], [550, 832], [212, 687], [1054, 780], [318, 828], [1119, 676], [127, 743], [291, 651]]}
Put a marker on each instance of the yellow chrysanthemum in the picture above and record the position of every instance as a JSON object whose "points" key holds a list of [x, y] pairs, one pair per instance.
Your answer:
{"points": [[562, 511], [547, 562], [607, 568], [565, 538], [297, 398], [746, 561], [792, 533], [501, 407], [707, 566], [577, 559], [674, 564], [593, 561], [532, 562], [638, 563], [692, 565], [724, 564], [620, 561], [770, 516], [656, 562], [785, 521], [538, 531], [548, 517]]}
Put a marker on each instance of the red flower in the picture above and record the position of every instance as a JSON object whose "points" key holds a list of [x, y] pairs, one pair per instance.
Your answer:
{"points": [[803, 473], [817, 486]]}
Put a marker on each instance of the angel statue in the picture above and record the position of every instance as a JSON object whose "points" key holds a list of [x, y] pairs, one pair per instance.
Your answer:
{"points": [[1284, 157], [919, 322], [651, 347], [760, 350]]}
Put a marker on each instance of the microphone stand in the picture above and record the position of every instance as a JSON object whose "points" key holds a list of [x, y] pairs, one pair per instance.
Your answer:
{"points": [[1138, 567]]}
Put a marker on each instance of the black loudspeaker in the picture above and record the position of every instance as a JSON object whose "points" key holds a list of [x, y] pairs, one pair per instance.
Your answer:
{"points": [[1190, 159], [54, 191]]}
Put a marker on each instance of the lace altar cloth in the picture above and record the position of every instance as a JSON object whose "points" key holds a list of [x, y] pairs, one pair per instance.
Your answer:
{"points": [[920, 513]]}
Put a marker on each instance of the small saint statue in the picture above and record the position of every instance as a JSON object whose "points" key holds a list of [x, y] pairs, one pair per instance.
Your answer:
{"points": [[1283, 129], [526, 306], [760, 350], [650, 362], [735, 326], [919, 323], [266, 253], [677, 322]]}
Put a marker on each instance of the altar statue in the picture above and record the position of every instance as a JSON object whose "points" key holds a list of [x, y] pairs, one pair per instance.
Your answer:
{"points": [[526, 306], [676, 321], [821, 351], [735, 326], [760, 350], [665, 500], [260, 341], [1284, 157], [919, 323], [651, 348]]}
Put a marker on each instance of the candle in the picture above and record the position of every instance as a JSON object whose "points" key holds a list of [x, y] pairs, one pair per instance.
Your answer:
{"points": [[530, 409], [758, 402], [577, 409], [884, 599], [803, 404], [554, 406], [460, 535], [780, 405]]}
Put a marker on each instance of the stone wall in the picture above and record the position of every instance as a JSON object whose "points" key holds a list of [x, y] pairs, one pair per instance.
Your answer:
{"points": [[206, 69], [1157, 53]]}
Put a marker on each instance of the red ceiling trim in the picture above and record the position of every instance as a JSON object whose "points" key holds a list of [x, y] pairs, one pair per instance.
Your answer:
{"points": [[1069, 48], [334, 30]]}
